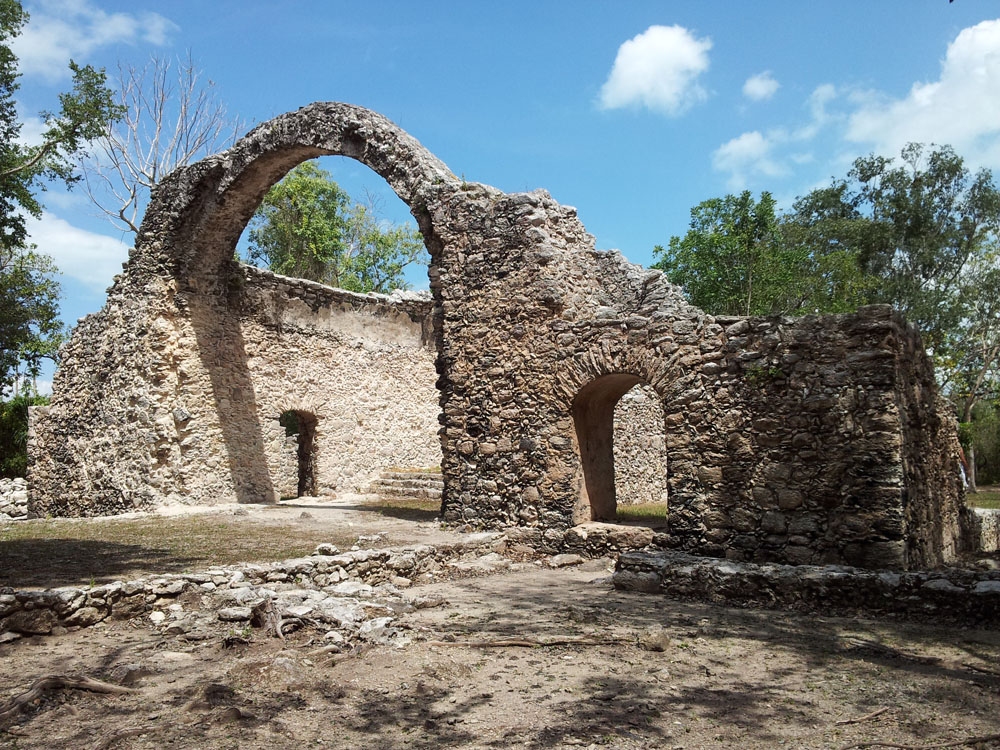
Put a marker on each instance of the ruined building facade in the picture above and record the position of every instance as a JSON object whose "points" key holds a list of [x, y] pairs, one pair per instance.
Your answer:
{"points": [[815, 439]]}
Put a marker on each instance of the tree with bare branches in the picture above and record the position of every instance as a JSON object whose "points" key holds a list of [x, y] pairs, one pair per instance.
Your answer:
{"points": [[173, 117]]}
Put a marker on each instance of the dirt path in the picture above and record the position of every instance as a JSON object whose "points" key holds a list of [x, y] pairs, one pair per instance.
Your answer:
{"points": [[676, 675]]}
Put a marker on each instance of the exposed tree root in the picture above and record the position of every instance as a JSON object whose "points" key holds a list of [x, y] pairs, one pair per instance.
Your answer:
{"points": [[19, 703], [866, 717], [265, 615], [984, 670], [954, 743]]}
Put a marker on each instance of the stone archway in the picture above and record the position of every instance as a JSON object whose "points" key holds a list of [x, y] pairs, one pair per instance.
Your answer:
{"points": [[594, 423], [186, 392], [537, 334], [199, 234]]}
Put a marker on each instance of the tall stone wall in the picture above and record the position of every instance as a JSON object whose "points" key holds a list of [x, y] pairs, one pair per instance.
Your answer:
{"points": [[363, 365], [819, 439]]}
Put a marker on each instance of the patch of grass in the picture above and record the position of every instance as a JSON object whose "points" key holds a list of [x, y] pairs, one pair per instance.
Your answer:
{"points": [[643, 512], [58, 552], [983, 499]]}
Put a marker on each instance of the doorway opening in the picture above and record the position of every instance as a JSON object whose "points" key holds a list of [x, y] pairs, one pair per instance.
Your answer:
{"points": [[300, 431], [621, 437]]}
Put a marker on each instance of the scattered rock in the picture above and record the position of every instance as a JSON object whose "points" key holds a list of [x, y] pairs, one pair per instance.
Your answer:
{"points": [[235, 614], [565, 560]]}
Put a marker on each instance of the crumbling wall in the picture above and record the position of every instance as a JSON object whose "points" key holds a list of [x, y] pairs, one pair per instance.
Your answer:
{"points": [[816, 439]]}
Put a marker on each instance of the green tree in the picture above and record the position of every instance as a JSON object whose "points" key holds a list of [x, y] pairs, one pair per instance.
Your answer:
{"points": [[740, 258], [925, 229], [727, 261], [29, 329], [83, 115], [14, 433], [308, 227]]}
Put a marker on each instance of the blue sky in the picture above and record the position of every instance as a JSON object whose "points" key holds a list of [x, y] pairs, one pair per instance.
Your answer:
{"points": [[631, 111]]}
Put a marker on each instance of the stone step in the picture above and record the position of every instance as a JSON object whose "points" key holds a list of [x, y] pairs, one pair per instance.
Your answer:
{"points": [[430, 475], [412, 493], [417, 484], [409, 484]]}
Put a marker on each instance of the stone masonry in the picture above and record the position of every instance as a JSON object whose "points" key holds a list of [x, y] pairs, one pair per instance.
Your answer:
{"points": [[640, 448], [806, 440]]}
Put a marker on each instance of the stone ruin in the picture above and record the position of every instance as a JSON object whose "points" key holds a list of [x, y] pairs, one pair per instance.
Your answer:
{"points": [[819, 439]]}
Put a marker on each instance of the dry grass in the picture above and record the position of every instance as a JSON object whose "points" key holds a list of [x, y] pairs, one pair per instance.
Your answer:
{"points": [[58, 552], [984, 498], [651, 513]]}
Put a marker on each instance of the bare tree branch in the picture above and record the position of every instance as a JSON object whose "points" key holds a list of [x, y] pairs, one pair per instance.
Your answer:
{"points": [[173, 117]]}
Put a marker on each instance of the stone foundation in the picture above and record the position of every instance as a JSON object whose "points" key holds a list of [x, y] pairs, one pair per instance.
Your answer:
{"points": [[956, 596]]}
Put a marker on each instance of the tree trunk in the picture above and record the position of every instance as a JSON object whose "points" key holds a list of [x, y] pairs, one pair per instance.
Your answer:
{"points": [[971, 458]]}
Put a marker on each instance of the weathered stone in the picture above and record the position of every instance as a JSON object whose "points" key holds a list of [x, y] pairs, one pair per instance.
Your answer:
{"points": [[951, 596], [789, 499], [176, 387], [30, 621], [235, 614], [564, 561], [86, 616]]}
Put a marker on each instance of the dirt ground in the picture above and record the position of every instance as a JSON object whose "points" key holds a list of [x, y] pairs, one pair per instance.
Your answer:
{"points": [[651, 673], [645, 672], [77, 551]]}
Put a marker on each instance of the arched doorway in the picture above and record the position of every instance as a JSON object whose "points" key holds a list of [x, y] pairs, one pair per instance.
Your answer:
{"points": [[594, 417], [300, 439]]}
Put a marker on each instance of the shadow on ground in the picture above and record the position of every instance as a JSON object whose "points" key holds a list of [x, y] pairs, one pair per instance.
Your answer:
{"points": [[45, 563]]}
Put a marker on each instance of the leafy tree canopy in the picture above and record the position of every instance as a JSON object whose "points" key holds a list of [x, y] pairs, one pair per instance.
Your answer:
{"points": [[83, 114], [308, 227], [740, 258], [920, 233], [29, 328]]}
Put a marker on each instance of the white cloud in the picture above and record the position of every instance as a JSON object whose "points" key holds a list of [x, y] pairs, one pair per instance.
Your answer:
{"points": [[88, 257], [748, 155], [32, 128], [760, 87], [775, 152], [658, 69], [44, 387], [64, 29], [961, 108]]}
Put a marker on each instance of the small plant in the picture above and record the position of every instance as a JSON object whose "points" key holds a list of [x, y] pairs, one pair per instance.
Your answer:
{"points": [[759, 376]]}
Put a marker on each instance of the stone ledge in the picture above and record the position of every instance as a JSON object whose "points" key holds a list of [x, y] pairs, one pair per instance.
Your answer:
{"points": [[961, 596], [591, 539], [37, 612]]}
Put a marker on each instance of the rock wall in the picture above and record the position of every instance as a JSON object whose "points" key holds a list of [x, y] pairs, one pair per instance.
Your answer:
{"points": [[818, 439], [640, 448], [13, 499], [965, 597], [223, 373]]}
